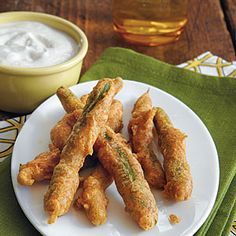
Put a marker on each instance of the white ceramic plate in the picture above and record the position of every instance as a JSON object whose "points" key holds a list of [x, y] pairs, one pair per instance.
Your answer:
{"points": [[201, 154]]}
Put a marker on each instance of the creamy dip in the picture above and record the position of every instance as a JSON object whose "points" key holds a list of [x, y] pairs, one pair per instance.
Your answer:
{"points": [[34, 44]]}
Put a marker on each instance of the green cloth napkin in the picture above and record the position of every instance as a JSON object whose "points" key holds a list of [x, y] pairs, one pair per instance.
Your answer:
{"points": [[212, 98], [12, 219]]}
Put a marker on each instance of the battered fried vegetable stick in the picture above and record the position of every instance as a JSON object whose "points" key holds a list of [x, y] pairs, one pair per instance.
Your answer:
{"points": [[93, 198], [115, 116], [65, 181], [122, 164], [68, 100], [40, 168], [141, 135], [62, 130], [172, 146], [72, 105]]}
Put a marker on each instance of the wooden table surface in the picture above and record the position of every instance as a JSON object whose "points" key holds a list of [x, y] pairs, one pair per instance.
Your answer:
{"points": [[211, 27]]}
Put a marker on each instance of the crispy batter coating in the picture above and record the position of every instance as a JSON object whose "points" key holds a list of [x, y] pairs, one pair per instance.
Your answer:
{"points": [[74, 106], [40, 168], [174, 219], [141, 135], [82, 99], [62, 130], [115, 116], [172, 145], [65, 181], [121, 139], [59, 135], [93, 198], [142, 105], [122, 164], [68, 100]]}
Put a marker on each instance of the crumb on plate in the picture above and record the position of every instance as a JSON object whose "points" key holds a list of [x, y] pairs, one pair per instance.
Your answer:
{"points": [[174, 219]]}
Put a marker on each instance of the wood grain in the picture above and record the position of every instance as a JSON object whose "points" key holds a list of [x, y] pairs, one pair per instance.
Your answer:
{"points": [[205, 31], [229, 8]]}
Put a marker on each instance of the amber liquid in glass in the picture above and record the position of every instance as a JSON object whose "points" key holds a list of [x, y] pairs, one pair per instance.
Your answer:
{"points": [[149, 22]]}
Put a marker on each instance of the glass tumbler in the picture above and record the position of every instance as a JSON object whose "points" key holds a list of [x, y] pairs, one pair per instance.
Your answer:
{"points": [[149, 22]]}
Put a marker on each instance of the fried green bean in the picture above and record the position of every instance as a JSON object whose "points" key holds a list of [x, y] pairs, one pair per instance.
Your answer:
{"points": [[60, 133], [41, 168], [93, 198], [122, 164], [65, 181], [141, 135], [68, 100], [172, 145]]}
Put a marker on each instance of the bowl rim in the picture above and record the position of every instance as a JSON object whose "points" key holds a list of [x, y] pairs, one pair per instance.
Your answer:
{"points": [[78, 57]]}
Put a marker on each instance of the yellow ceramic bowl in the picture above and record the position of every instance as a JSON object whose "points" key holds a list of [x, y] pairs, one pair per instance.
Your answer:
{"points": [[23, 89]]}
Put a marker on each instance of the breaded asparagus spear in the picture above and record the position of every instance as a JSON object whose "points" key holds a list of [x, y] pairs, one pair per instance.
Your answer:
{"points": [[141, 135], [65, 181], [93, 198], [172, 146], [122, 164]]}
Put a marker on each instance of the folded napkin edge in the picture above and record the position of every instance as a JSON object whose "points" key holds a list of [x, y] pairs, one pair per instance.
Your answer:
{"points": [[222, 84]]}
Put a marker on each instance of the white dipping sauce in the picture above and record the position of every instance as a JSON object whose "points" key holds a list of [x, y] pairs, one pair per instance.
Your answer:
{"points": [[34, 44]]}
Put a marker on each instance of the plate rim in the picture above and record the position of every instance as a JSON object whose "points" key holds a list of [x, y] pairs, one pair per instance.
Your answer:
{"points": [[194, 228]]}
